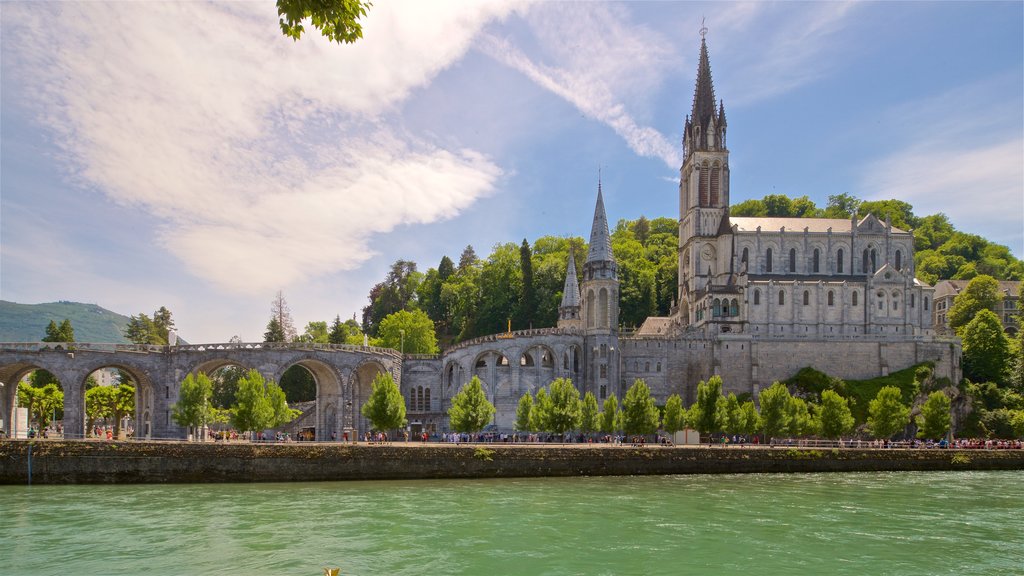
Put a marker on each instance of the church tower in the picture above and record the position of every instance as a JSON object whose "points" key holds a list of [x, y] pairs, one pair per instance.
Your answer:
{"points": [[600, 309], [703, 193], [569, 311]]}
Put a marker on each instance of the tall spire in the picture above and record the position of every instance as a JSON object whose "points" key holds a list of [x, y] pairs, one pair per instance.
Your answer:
{"points": [[571, 291], [704, 93], [600, 239]]}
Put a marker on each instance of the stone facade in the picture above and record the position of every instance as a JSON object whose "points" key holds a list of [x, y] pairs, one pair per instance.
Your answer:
{"points": [[1007, 309]]}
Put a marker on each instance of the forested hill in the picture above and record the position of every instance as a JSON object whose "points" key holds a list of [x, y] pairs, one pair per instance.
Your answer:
{"points": [[521, 284], [27, 322]]}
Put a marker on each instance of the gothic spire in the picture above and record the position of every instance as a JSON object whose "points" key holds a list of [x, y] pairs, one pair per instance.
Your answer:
{"points": [[571, 291], [704, 93], [600, 239]]}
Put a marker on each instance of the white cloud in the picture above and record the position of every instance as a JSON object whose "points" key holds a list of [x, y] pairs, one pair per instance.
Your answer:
{"points": [[602, 63], [267, 160]]}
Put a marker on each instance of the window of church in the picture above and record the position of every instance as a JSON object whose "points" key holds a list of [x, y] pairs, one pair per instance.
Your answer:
{"points": [[716, 308], [807, 297], [864, 264], [714, 185], [817, 261], [792, 259], [604, 391], [746, 254], [703, 183], [768, 261], [426, 400], [912, 300], [854, 298], [604, 350], [503, 361], [925, 302], [659, 366], [647, 367], [831, 298], [734, 307], [782, 297], [874, 262], [604, 370], [757, 297], [839, 261], [899, 260]]}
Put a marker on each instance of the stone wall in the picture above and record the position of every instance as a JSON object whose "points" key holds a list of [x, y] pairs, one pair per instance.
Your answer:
{"points": [[56, 462]]}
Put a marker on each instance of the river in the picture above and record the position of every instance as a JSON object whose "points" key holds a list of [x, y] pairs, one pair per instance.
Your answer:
{"points": [[852, 523]]}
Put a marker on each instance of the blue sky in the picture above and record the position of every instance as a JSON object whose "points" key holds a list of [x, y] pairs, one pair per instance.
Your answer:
{"points": [[185, 154]]}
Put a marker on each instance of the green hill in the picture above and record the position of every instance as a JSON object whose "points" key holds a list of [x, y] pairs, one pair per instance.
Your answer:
{"points": [[27, 322]]}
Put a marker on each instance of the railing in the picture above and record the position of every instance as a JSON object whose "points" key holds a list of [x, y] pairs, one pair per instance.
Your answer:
{"points": [[515, 334], [149, 348]]}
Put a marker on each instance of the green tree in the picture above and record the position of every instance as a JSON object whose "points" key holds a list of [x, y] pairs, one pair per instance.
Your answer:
{"points": [[986, 351], [347, 332], [385, 408], [274, 331], [141, 330], [523, 410], [981, 293], [528, 293], [252, 411], [396, 292], [734, 418], [639, 414], [709, 399], [280, 311], [801, 421], [589, 414], [610, 415], [835, 416], [225, 385], [564, 414], [841, 206], [194, 407], [117, 402], [675, 418], [886, 413], [540, 412], [470, 410], [163, 323], [96, 407], [935, 418], [774, 416], [62, 333], [298, 384], [315, 333], [337, 20], [751, 420], [41, 402], [409, 331]]}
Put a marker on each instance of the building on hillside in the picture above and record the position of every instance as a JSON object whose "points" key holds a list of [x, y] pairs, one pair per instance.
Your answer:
{"points": [[758, 299], [1007, 309]]}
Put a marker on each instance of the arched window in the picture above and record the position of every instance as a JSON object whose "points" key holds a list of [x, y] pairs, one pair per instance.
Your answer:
{"points": [[602, 309], [792, 259], [419, 398], [526, 359], [734, 307], [768, 261], [714, 185], [757, 297], [854, 299], [782, 297], [926, 303], [912, 299], [426, 400], [716, 309], [817, 261], [647, 367], [831, 298], [746, 254], [839, 261], [807, 297], [703, 185], [874, 261], [864, 264], [899, 260], [412, 399]]}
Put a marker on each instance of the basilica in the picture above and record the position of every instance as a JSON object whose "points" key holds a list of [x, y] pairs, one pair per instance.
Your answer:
{"points": [[758, 299]]}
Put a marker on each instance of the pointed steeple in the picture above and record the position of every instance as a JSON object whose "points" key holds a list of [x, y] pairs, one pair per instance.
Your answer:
{"points": [[705, 126], [704, 93], [571, 291], [600, 239]]}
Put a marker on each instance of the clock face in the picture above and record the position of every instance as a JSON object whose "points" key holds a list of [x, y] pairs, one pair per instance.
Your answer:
{"points": [[707, 252]]}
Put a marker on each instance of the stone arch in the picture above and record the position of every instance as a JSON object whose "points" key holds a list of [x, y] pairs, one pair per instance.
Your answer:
{"points": [[327, 410], [145, 390], [10, 378], [359, 392]]}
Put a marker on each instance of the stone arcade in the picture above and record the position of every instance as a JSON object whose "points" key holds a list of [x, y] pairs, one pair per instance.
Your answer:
{"points": [[759, 298]]}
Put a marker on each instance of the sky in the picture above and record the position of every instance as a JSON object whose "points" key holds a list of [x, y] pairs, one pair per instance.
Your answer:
{"points": [[187, 155]]}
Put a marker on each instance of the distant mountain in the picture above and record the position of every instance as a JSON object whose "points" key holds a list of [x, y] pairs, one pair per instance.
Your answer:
{"points": [[27, 322]]}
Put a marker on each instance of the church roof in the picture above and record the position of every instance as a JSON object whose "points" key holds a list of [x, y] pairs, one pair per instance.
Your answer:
{"points": [[571, 291], [768, 224], [600, 239]]}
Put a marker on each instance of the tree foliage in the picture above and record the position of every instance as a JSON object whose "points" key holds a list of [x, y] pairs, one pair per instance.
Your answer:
{"points": [[471, 410], [337, 20], [986, 350], [709, 406], [523, 410], [935, 418], [590, 414], [385, 408], [835, 416], [639, 414], [674, 419], [259, 404], [887, 414], [62, 333], [41, 402], [981, 293], [564, 413], [396, 292], [282, 314], [609, 421], [774, 416], [194, 407], [347, 332], [409, 331]]}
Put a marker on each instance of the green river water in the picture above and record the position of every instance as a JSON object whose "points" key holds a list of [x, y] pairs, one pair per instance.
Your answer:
{"points": [[868, 523]]}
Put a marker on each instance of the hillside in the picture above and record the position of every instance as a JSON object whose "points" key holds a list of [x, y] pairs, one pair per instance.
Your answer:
{"points": [[27, 322]]}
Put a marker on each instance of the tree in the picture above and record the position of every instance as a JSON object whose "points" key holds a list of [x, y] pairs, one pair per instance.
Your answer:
{"points": [[935, 418], [470, 410], [163, 323], [411, 332], [751, 421], [835, 416], [298, 384], [315, 333], [734, 417], [674, 419], [639, 414], [337, 20], [62, 333], [347, 332], [981, 293], [523, 410], [610, 415], [280, 311], [986, 351], [41, 402], [252, 411], [539, 413], [468, 258], [590, 414], [274, 331], [886, 413], [564, 414], [114, 402], [225, 386], [396, 292], [774, 417], [141, 330], [801, 421], [194, 407], [96, 406], [385, 408], [527, 294], [709, 396]]}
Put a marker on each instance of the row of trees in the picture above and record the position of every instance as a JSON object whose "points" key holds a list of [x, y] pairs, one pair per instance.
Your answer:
{"points": [[258, 405]]}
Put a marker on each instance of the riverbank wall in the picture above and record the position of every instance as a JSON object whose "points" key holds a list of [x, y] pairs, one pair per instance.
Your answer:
{"points": [[75, 462]]}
